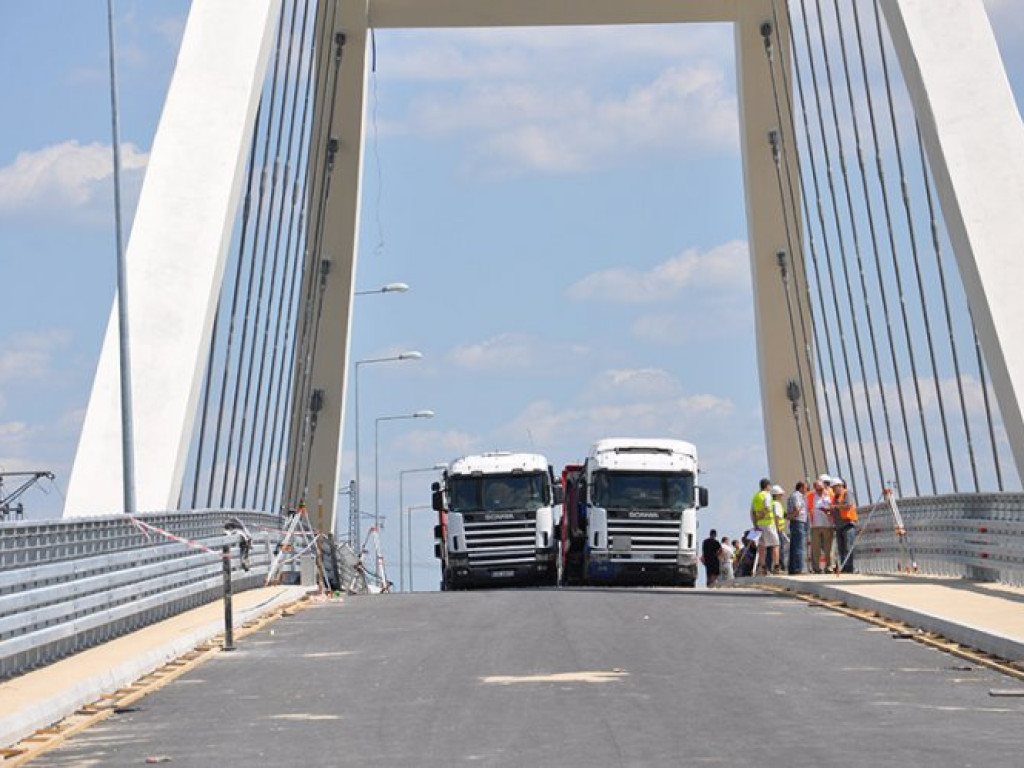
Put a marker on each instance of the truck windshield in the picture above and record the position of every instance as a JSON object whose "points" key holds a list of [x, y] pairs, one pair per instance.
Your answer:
{"points": [[494, 493], [643, 490]]}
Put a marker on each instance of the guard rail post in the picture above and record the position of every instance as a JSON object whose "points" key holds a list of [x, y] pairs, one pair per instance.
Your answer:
{"points": [[229, 635]]}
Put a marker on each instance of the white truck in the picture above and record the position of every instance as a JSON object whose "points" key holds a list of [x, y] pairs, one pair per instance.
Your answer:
{"points": [[496, 521], [630, 514]]}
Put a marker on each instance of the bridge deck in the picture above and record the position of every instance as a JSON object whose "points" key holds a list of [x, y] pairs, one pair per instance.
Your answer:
{"points": [[587, 677]]}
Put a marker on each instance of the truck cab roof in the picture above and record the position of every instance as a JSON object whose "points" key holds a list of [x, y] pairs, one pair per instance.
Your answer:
{"points": [[651, 454], [497, 463]]}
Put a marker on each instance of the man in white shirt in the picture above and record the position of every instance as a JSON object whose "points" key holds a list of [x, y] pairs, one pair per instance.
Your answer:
{"points": [[819, 503], [725, 558]]}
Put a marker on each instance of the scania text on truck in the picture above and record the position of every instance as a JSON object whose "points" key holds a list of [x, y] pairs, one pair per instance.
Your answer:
{"points": [[496, 521], [630, 514]]}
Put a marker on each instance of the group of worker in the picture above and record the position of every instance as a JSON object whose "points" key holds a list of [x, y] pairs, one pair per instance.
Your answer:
{"points": [[809, 518]]}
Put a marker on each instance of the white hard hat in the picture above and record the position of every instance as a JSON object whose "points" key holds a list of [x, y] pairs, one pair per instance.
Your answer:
{"points": [[837, 481], [825, 479], [778, 490]]}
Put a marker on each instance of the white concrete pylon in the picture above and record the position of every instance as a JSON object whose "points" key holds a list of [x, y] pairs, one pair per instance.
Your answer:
{"points": [[777, 363], [175, 257], [974, 140]]}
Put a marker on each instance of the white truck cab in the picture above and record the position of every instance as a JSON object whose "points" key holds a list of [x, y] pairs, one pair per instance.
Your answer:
{"points": [[497, 516], [631, 513]]}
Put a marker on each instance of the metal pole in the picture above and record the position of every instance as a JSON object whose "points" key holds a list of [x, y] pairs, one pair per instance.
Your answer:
{"points": [[401, 534], [409, 521], [354, 522], [127, 424], [229, 633], [376, 475], [408, 544]]}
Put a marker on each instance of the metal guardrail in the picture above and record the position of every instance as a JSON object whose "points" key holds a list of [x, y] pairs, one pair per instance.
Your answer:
{"points": [[973, 536], [66, 585]]}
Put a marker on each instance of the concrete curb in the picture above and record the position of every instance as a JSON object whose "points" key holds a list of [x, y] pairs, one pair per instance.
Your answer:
{"points": [[26, 720], [1002, 646]]}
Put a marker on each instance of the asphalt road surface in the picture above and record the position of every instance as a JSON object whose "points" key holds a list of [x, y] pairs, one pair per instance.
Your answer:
{"points": [[569, 678]]}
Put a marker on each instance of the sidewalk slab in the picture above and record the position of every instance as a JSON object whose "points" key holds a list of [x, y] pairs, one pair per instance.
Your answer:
{"points": [[984, 616], [44, 696]]}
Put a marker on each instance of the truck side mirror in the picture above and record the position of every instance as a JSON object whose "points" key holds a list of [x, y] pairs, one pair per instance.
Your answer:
{"points": [[437, 551], [437, 533], [436, 497], [702, 496], [559, 493]]}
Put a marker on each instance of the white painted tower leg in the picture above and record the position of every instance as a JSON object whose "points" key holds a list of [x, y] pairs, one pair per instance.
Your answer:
{"points": [[974, 140], [175, 258]]}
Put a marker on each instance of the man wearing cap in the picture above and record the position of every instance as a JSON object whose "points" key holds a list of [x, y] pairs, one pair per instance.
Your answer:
{"points": [[779, 508], [796, 513], [844, 513], [763, 517], [819, 503]]}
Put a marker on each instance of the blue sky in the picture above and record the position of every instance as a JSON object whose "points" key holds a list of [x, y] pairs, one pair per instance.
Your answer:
{"points": [[522, 174]]}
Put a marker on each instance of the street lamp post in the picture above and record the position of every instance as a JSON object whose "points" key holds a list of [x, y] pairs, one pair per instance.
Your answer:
{"points": [[401, 525], [389, 288], [408, 517], [376, 455], [353, 523]]}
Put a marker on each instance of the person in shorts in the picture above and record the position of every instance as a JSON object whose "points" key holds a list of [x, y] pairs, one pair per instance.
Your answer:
{"points": [[711, 549]]}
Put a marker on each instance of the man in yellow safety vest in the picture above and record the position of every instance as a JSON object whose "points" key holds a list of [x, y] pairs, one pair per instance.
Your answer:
{"points": [[763, 517]]}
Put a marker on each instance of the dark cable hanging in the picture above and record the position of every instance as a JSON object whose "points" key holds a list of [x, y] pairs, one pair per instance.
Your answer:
{"points": [[295, 260], [204, 413], [826, 329], [791, 218], [983, 381], [318, 273], [257, 266], [894, 253], [854, 414], [873, 232], [233, 310], [855, 235], [262, 319], [266, 432], [937, 246], [917, 261]]}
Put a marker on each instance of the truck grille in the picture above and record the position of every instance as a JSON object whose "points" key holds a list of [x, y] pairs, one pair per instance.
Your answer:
{"points": [[654, 538], [501, 541]]}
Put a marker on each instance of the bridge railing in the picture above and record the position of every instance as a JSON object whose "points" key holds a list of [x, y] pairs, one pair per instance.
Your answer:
{"points": [[68, 585], [974, 536]]}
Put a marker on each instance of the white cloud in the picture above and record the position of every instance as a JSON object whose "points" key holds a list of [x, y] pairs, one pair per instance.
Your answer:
{"points": [[507, 352], [28, 356], [511, 353], [424, 447], [638, 403], [636, 384], [726, 266], [488, 54], [170, 29], [569, 100], [555, 128], [68, 179]]}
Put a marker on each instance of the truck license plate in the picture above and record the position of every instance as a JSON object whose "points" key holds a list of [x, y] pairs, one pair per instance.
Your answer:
{"points": [[502, 574]]}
